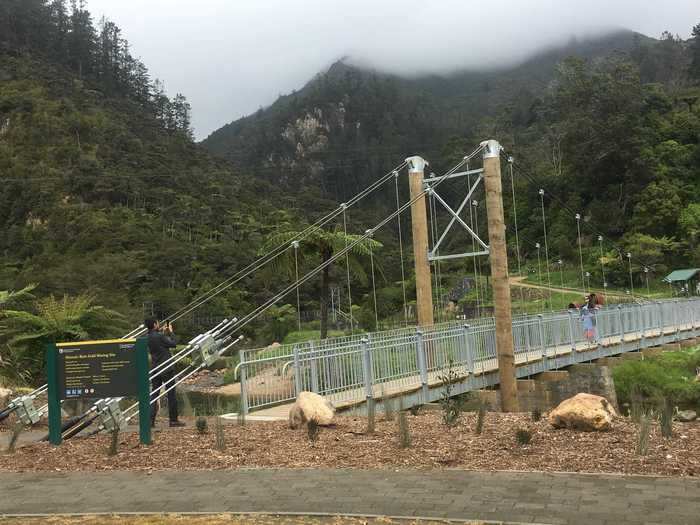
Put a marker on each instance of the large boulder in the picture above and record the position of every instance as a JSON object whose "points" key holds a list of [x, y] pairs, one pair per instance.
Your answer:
{"points": [[686, 416], [310, 407], [5, 395], [585, 412]]}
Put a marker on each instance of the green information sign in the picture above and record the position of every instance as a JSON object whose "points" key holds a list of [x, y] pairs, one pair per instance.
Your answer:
{"points": [[97, 369]]}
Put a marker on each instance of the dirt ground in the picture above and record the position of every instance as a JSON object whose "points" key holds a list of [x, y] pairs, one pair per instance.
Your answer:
{"points": [[346, 445], [218, 519]]}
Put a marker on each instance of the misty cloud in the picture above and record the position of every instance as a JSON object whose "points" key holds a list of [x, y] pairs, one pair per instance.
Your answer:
{"points": [[231, 57]]}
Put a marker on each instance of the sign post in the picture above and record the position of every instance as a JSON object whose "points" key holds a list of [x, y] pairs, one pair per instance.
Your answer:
{"points": [[98, 370], [144, 391], [54, 400]]}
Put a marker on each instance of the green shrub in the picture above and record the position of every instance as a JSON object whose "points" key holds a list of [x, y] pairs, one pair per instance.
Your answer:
{"points": [[450, 404], [202, 425], [523, 436], [229, 376], [313, 429], [668, 375]]}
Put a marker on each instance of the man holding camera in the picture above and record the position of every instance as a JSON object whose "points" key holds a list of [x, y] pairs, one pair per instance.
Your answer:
{"points": [[160, 341]]}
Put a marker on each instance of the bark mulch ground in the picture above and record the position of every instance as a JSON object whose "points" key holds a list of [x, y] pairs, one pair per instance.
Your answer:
{"points": [[346, 445]]}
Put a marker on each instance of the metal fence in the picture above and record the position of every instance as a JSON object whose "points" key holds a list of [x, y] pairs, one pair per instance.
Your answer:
{"points": [[355, 367]]}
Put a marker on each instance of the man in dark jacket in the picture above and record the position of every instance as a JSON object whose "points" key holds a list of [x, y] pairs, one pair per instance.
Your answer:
{"points": [[159, 344]]}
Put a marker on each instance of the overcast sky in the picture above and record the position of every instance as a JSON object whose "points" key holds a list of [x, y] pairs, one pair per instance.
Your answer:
{"points": [[229, 57]]}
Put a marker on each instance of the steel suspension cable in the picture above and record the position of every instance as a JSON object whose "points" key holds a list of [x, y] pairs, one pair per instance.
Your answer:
{"points": [[517, 233], [477, 284], [347, 269], [272, 254], [374, 288], [433, 237], [260, 309], [546, 246], [478, 258], [296, 276], [403, 273], [263, 260]]}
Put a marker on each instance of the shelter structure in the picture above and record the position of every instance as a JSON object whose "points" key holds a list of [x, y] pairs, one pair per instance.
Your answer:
{"points": [[686, 282]]}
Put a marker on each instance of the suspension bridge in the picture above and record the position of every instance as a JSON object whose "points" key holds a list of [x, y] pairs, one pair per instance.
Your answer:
{"points": [[410, 365], [412, 362]]}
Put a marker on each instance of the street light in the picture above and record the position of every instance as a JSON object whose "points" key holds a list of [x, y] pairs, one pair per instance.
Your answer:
{"points": [[580, 252], [561, 271], [629, 260], [602, 266], [539, 267], [646, 275]]}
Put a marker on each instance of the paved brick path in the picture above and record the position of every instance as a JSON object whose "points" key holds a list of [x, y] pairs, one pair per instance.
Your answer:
{"points": [[524, 497]]}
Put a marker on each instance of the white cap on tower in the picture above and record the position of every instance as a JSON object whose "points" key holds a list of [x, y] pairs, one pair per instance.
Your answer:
{"points": [[416, 164]]}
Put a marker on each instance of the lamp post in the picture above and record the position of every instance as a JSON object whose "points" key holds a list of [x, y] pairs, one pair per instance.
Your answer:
{"points": [[580, 252], [602, 266], [561, 271], [646, 276], [539, 269], [629, 260]]}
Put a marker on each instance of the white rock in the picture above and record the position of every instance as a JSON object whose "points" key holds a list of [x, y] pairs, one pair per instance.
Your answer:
{"points": [[310, 406], [686, 416], [583, 412]]}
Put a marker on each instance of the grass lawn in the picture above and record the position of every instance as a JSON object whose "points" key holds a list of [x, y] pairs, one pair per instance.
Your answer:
{"points": [[309, 335]]}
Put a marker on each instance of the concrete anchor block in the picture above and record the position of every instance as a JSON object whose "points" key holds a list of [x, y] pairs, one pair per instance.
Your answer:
{"points": [[609, 361], [526, 385], [553, 375]]}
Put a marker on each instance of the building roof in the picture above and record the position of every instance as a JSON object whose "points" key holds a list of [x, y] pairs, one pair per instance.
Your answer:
{"points": [[681, 275]]}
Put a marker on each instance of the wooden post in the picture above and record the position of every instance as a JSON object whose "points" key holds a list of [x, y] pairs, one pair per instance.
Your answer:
{"points": [[54, 400], [419, 224], [499, 274]]}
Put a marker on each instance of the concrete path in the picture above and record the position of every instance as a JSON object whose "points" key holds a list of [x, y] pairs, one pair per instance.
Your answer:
{"points": [[508, 496]]}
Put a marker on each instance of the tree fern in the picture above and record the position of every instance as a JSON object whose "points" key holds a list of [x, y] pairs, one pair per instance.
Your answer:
{"points": [[24, 333]]}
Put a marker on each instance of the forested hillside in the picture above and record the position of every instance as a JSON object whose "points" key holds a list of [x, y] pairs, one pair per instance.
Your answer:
{"points": [[610, 126], [103, 191], [348, 122]]}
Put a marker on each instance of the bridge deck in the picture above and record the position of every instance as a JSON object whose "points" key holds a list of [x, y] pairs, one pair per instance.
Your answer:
{"points": [[350, 398]]}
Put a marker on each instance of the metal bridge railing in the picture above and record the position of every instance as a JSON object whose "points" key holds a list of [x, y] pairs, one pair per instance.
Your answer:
{"points": [[356, 367]]}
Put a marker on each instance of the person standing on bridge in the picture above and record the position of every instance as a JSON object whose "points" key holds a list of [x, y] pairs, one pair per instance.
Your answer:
{"points": [[588, 314], [159, 344]]}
